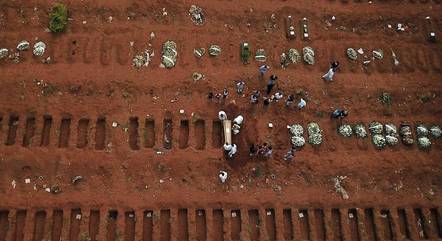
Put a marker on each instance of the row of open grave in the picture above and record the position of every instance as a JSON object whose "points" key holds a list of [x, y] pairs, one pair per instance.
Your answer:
{"points": [[381, 134], [219, 224]]}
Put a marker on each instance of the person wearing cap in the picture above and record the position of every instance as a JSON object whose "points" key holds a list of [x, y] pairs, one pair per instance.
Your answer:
{"points": [[331, 72], [233, 150], [289, 101], [302, 103], [222, 115], [338, 113], [271, 84], [222, 176], [262, 70], [238, 120]]}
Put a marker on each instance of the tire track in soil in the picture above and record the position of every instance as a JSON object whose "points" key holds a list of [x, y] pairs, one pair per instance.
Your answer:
{"points": [[183, 226], [200, 134], [90, 55], [218, 225], [422, 58], [106, 50], [39, 225], [82, 132], [436, 62], [184, 134], [201, 225], [254, 225]]}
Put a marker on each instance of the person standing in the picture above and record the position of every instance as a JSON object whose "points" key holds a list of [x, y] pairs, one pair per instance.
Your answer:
{"points": [[271, 84], [254, 97], [290, 154], [262, 70], [222, 115], [289, 101], [227, 147], [331, 72], [233, 150], [225, 93], [268, 152], [222, 176], [240, 87], [302, 103], [262, 150], [252, 150], [266, 102], [277, 96], [238, 120], [338, 113]]}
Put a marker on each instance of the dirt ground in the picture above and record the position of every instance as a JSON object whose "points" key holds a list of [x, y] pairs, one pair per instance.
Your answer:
{"points": [[56, 118]]}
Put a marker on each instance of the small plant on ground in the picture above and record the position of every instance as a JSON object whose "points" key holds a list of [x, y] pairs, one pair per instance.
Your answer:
{"points": [[58, 18], [118, 235], [85, 237], [257, 172], [125, 93], [161, 167], [49, 89], [426, 97], [386, 100]]}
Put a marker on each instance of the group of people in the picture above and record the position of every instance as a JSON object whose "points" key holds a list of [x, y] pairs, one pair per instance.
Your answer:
{"points": [[230, 148], [263, 150], [277, 96], [218, 97], [266, 150]]}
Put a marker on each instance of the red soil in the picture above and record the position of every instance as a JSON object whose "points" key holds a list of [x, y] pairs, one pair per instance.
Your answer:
{"points": [[92, 77]]}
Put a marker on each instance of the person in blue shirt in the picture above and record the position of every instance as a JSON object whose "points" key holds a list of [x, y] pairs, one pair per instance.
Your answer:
{"points": [[262, 70], [338, 113]]}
